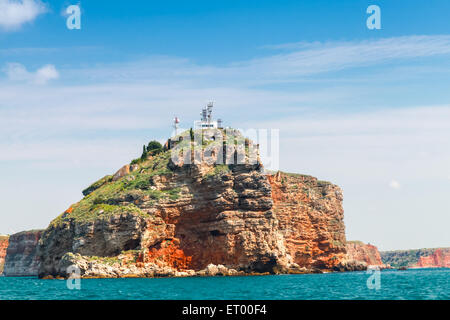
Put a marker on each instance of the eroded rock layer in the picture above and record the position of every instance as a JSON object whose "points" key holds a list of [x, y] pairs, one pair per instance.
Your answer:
{"points": [[163, 217], [439, 259], [418, 258], [310, 219], [21, 258], [366, 254]]}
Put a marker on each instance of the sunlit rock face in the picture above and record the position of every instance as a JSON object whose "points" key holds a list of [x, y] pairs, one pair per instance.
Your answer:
{"points": [[365, 253], [439, 259], [193, 214]]}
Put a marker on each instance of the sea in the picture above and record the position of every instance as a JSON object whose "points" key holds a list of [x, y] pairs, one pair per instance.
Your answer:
{"points": [[412, 284]]}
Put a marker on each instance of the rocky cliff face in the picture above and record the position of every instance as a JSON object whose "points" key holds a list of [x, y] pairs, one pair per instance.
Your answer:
{"points": [[418, 258], [21, 259], [4, 242], [365, 253], [310, 219], [160, 217], [439, 259]]}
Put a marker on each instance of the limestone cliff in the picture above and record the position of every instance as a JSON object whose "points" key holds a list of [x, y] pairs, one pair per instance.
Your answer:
{"points": [[21, 259], [4, 242], [164, 217], [365, 253]]}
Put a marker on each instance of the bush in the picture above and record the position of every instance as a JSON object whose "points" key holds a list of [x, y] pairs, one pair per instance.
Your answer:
{"points": [[153, 148], [153, 145]]}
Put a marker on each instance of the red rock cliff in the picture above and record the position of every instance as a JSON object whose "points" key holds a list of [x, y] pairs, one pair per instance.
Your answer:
{"points": [[160, 217], [439, 259], [365, 253], [310, 216], [4, 242]]}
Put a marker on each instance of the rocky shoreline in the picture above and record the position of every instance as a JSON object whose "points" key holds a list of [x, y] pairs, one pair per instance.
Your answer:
{"points": [[160, 217]]}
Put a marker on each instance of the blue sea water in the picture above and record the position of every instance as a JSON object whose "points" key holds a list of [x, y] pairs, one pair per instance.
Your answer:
{"points": [[410, 284]]}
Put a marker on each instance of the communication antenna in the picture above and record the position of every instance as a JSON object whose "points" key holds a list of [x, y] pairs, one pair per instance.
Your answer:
{"points": [[210, 106], [176, 122], [204, 114]]}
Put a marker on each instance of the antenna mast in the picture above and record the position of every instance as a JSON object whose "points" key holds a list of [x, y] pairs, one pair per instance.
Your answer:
{"points": [[176, 122], [209, 107]]}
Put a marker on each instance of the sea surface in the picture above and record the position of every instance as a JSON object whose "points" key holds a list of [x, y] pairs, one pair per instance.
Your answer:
{"points": [[391, 284]]}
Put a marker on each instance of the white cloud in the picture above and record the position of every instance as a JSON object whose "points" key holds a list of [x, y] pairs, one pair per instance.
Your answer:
{"points": [[15, 13], [301, 62], [45, 74], [18, 72], [394, 184], [319, 57]]}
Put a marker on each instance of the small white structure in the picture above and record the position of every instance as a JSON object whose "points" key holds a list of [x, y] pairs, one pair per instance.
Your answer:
{"points": [[207, 121]]}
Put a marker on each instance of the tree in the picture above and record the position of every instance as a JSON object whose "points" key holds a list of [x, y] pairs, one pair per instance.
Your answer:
{"points": [[144, 152], [153, 145]]}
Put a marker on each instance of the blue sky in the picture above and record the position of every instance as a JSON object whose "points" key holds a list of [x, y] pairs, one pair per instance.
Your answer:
{"points": [[366, 109]]}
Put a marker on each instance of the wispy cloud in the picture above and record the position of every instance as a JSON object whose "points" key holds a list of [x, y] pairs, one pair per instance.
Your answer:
{"points": [[15, 13], [317, 57], [18, 72], [299, 62]]}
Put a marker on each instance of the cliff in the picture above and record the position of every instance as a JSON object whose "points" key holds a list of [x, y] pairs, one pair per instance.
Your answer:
{"points": [[365, 253], [4, 242], [164, 217], [418, 258], [21, 258], [310, 219], [439, 259]]}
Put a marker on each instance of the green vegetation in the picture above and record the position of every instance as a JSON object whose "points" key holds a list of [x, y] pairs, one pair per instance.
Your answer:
{"points": [[106, 198], [335, 222], [153, 148], [356, 242], [97, 185], [110, 196], [173, 194], [104, 260], [143, 178], [297, 175], [218, 170], [337, 243], [404, 258], [323, 183]]}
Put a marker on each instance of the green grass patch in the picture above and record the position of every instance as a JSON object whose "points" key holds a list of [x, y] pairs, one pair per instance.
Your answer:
{"points": [[97, 185]]}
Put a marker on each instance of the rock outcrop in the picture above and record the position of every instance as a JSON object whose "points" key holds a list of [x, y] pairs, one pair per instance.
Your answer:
{"points": [[310, 219], [21, 258], [4, 242], [365, 254], [194, 216], [418, 258], [439, 259]]}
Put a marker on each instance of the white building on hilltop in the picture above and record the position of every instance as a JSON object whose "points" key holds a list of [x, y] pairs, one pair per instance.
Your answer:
{"points": [[207, 122]]}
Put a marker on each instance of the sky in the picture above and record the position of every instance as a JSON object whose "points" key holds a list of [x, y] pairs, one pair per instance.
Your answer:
{"points": [[368, 110]]}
